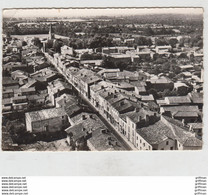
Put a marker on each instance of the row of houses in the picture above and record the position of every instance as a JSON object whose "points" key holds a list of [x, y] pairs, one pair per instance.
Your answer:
{"points": [[112, 103]]}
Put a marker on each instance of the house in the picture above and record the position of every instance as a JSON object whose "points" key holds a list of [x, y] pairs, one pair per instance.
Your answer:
{"points": [[131, 121], [66, 50], [7, 105], [103, 71], [147, 98], [117, 40], [186, 67], [20, 76], [197, 99], [40, 86], [196, 128], [117, 57], [56, 88], [46, 120], [187, 114], [169, 134], [20, 103], [9, 83], [24, 91], [8, 93], [103, 140], [37, 99], [91, 62], [129, 41], [160, 83], [64, 99], [89, 131], [69, 103], [83, 79], [165, 48], [109, 50], [181, 88], [82, 127], [177, 100]]}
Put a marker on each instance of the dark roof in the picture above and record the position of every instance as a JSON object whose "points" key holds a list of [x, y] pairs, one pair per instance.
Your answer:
{"points": [[193, 142], [197, 98]]}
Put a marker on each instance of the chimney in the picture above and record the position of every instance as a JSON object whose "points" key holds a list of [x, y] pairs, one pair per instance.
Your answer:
{"points": [[190, 128], [183, 122], [147, 118], [103, 131], [83, 129], [65, 99], [91, 116], [83, 117], [136, 109]]}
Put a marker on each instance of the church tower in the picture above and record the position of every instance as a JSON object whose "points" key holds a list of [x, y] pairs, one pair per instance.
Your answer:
{"points": [[51, 34]]}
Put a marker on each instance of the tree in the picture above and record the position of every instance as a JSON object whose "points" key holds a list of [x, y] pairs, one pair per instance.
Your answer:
{"points": [[24, 43], [108, 63], [173, 42], [182, 55], [154, 93], [37, 42], [149, 31], [57, 46]]}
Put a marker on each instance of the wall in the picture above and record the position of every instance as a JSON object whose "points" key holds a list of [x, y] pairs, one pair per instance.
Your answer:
{"points": [[53, 124], [166, 145]]}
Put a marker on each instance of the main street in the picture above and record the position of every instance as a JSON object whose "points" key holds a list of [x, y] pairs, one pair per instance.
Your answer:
{"points": [[126, 144]]}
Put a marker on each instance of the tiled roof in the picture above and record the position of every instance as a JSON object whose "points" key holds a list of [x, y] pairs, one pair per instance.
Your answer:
{"points": [[185, 114], [147, 97], [102, 141], [81, 129], [156, 133], [168, 128], [178, 99], [193, 142], [134, 116], [196, 125], [197, 97], [181, 108], [46, 114]]}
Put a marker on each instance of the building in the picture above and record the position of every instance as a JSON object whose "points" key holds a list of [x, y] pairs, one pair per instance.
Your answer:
{"points": [[161, 49], [56, 88], [160, 83], [66, 50], [48, 120], [187, 114]]}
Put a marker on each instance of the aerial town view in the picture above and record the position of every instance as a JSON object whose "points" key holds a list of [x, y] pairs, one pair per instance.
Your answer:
{"points": [[102, 79]]}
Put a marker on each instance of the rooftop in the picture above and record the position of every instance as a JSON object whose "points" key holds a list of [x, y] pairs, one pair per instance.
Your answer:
{"points": [[101, 140], [46, 114], [178, 99], [181, 108], [168, 128]]}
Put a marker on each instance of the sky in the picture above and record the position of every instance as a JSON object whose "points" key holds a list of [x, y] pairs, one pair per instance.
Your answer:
{"points": [[83, 12]]}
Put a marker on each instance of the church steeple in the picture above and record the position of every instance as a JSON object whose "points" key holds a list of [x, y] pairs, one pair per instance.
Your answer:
{"points": [[51, 34]]}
